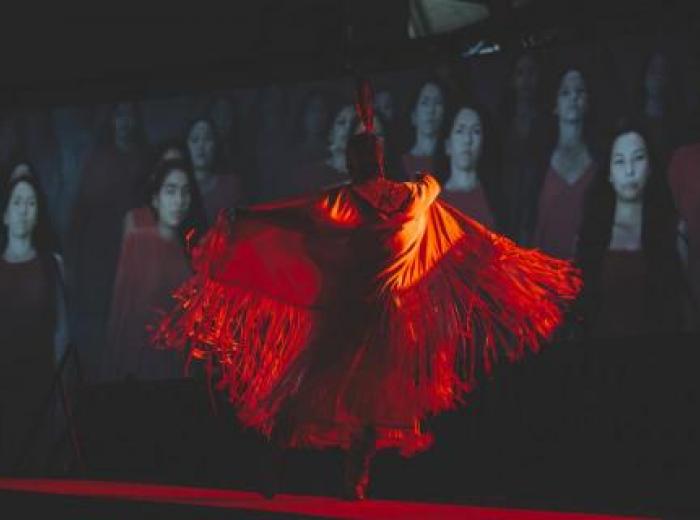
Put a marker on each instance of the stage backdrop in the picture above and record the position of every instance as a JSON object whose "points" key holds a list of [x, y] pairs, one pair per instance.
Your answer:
{"points": [[524, 142]]}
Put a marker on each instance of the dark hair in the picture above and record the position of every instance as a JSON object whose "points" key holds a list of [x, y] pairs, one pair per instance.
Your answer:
{"points": [[487, 168], [218, 151], [43, 238], [159, 150], [590, 124], [300, 112], [390, 153], [365, 157], [156, 158], [406, 141], [659, 232], [195, 218], [673, 95], [507, 103]]}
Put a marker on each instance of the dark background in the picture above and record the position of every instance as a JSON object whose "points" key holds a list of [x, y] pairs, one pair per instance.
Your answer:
{"points": [[97, 54]]}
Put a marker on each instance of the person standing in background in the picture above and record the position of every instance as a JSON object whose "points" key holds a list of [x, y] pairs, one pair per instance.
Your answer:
{"points": [[111, 183], [571, 170]]}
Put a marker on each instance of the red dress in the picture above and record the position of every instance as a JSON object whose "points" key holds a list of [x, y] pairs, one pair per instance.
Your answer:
{"points": [[371, 303], [472, 203], [26, 357], [621, 306], [560, 212], [150, 268], [225, 192], [684, 178]]}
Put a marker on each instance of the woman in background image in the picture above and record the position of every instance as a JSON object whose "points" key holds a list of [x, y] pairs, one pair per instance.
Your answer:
{"points": [[33, 327], [570, 172], [168, 150], [153, 261], [684, 179], [332, 169], [524, 151], [269, 124], [467, 167], [633, 281], [112, 181], [219, 189], [659, 103], [310, 128], [427, 114], [385, 105]]}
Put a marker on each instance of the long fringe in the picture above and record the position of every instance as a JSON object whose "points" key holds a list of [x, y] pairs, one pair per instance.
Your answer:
{"points": [[482, 300]]}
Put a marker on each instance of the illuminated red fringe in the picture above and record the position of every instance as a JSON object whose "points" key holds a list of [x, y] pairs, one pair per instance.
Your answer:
{"points": [[486, 299]]}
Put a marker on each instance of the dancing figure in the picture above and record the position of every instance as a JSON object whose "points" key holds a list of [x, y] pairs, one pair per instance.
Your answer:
{"points": [[346, 318]]}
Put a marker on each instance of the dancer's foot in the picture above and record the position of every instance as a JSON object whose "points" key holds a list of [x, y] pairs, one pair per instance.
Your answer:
{"points": [[271, 469]]}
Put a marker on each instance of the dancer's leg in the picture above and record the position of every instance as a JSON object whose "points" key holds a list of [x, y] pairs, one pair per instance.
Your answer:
{"points": [[274, 460], [357, 464]]}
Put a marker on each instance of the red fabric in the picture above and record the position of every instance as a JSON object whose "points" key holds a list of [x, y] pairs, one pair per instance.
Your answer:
{"points": [[684, 178], [621, 306], [472, 203], [560, 212], [150, 268], [366, 304], [26, 357]]}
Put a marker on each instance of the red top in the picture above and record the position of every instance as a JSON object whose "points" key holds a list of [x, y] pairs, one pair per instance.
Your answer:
{"points": [[26, 331], [225, 192], [150, 267], [684, 178], [472, 203], [621, 305], [560, 213]]}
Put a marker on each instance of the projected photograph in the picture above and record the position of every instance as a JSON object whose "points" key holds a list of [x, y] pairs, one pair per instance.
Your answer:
{"points": [[586, 153]]}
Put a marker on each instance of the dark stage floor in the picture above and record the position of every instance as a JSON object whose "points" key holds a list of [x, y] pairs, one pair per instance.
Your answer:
{"points": [[609, 428]]}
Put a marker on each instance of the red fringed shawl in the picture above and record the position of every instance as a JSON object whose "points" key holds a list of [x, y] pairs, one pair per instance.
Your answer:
{"points": [[366, 304]]}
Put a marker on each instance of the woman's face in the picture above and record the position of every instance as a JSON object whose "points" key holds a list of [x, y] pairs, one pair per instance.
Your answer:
{"points": [[572, 98], [22, 211], [656, 76], [202, 146], [463, 146], [525, 76], [172, 201], [384, 104], [629, 166], [429, 110], [124, 122], [342, 126]]}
